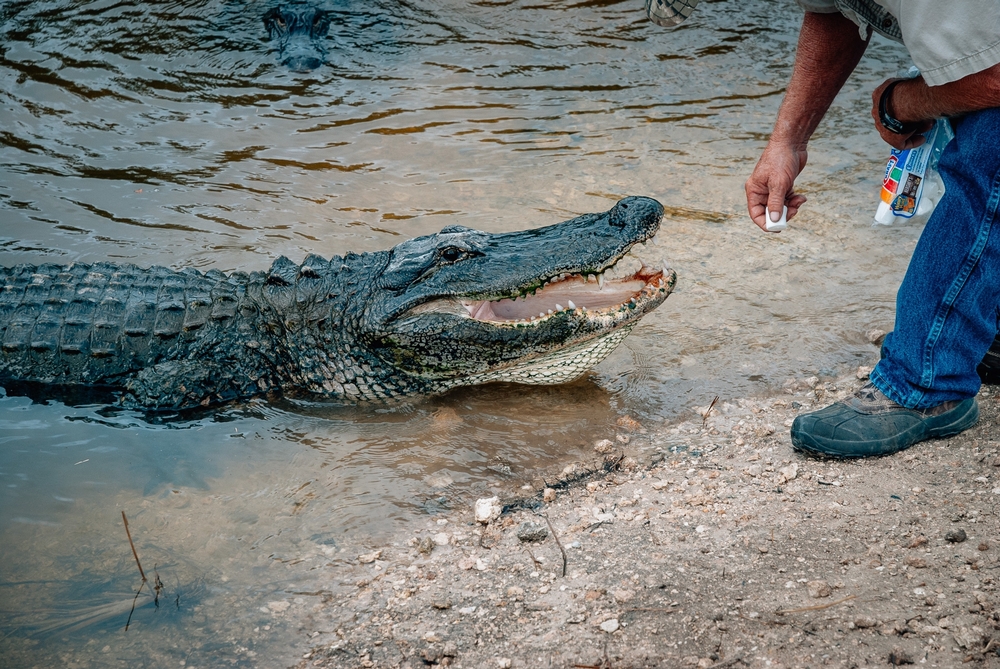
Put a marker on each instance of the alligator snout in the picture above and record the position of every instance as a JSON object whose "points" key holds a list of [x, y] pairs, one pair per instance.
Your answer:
{"points": [[298, 31]]}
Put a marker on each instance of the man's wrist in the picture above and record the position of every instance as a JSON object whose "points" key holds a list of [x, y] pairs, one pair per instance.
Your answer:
{"points": [[886, 114]]}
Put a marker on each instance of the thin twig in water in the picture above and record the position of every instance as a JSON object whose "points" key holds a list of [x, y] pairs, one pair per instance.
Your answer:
{"points": [[157, 587], [134, 553], [818, 607], [558, 543], [708, 411], [132, 610]]}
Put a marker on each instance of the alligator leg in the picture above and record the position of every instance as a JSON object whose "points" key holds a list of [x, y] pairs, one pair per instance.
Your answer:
{"points": [[183, 384]]}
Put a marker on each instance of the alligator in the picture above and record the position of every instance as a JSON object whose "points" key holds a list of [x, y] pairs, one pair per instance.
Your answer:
{"points": [[298, 31], [456, 308]]}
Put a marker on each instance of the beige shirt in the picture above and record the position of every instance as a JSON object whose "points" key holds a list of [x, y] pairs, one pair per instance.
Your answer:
{"points": [[947, 40]]}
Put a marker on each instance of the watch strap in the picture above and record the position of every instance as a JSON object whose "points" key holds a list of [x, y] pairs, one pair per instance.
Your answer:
{"points": [[888, 121]]}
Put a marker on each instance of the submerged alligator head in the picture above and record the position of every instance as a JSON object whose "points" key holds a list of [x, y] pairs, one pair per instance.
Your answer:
{"points": [[457, 308], [298, 32]]}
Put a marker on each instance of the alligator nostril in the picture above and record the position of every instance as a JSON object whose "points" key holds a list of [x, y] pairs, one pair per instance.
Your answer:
{"points": [[302, 63]]}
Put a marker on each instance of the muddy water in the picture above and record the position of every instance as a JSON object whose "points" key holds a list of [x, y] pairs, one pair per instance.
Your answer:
{"points": [[166, 133]]}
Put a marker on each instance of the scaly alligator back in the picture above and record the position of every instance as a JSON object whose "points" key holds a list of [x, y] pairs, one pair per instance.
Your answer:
{"points": [[100, 324]]}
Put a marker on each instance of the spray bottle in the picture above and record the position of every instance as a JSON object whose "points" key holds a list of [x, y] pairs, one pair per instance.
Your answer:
{"points": [[911, 185]]}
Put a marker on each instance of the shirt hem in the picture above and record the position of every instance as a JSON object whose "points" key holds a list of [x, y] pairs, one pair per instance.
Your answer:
{"points": [[959, 69]]}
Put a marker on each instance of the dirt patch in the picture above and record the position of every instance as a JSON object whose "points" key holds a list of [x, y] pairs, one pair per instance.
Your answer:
{"points": [[705, 544]]}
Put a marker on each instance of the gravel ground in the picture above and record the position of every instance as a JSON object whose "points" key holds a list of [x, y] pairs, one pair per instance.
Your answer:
{"points": [[704, 544]]}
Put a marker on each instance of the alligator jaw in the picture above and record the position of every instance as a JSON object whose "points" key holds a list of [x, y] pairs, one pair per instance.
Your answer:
{"points": [[578, 293], [584, 292]]}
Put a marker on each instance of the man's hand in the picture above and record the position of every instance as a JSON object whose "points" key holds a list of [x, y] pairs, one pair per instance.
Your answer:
{"points": [[898, 141], [770, 185], [829, 49]]}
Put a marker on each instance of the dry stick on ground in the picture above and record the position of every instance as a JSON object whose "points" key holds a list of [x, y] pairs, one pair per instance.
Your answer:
{"points": [[538, 565], [141, 572], [728, 663], [660, 609], [556, 537], [818, 607]]}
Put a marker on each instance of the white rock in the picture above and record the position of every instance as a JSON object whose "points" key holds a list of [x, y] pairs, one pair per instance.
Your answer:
{"points": [[488, 509], [441, 539], [610, 626], [278, 607], [789, 472]]}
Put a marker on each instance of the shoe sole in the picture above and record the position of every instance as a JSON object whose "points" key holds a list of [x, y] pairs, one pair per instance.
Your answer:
{"points": [[848, 449]]}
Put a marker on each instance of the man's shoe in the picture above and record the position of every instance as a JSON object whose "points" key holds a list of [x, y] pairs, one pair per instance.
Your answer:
{"points": [[869, 423], [989, 368]]}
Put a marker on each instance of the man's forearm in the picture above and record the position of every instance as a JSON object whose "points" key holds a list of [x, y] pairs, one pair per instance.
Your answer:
{"points": [[829, 49], [915, 101]]}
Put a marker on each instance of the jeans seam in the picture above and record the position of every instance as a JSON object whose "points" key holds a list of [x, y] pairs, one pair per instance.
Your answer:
{"points": [[975, 253]]}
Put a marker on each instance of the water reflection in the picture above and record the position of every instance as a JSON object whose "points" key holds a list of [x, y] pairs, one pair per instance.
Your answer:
{"points": [[169, 133]]}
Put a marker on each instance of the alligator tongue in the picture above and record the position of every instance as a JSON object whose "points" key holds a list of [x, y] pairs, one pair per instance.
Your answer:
{"points": [[484, 312]]}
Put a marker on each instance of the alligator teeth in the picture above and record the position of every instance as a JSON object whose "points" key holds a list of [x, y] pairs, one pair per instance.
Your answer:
{"points": [[558, 307], [571, 305], [550, 312], [600, 281], [541, 314]]}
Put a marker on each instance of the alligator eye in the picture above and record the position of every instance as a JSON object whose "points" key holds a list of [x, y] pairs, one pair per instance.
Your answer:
{"points": [[451, 254], [280, 21]]}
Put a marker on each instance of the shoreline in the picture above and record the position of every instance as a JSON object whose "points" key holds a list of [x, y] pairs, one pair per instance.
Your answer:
{"points": [[713, 545]]}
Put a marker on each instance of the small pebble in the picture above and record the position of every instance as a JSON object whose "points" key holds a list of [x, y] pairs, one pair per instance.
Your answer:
{"points": [[488, 509], [610, 626], [819, 589], [368, 558], [530, 532], [604, 446], [865, 622], [956, 536], [549, 495], [899, 656]]}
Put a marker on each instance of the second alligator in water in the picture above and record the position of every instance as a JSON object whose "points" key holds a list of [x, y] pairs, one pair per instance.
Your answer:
{"points": [[298, 31], [457, 308]]}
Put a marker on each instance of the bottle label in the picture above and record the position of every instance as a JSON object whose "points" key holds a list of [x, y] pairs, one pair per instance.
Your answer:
{"points": [[904, 176]]}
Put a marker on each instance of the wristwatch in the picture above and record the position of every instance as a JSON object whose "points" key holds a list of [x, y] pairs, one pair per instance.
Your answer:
{"points": [[890, 123]]}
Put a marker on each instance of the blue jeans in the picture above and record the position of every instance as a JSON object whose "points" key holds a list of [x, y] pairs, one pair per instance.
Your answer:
{"points": [[948, 306]]}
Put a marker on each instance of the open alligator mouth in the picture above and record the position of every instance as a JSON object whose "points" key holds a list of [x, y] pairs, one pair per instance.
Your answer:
{"points": [[595, 292], [590, 293], [575, 292]]}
